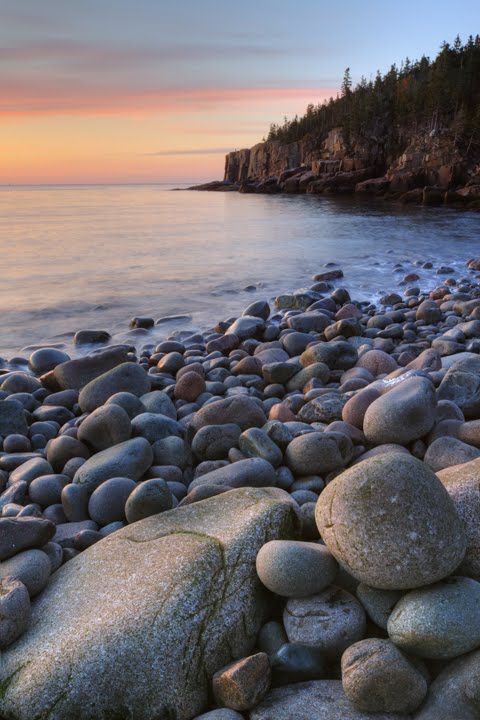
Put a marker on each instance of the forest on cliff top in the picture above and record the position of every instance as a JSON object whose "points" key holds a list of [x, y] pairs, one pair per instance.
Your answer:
{"points": [[433, 94]]}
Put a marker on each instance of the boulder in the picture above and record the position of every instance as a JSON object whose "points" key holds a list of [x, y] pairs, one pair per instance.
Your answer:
{"points": [[362, 519], [143, 637]]}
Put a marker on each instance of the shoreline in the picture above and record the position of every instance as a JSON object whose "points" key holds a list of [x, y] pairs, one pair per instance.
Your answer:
{"points": [[276, 409]]}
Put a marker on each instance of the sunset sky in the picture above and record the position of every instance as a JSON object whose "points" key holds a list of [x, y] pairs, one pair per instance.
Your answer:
{"points": [[155, 90]]}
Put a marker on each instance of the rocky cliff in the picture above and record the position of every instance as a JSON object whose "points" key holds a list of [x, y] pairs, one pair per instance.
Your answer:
{"points": [[430, 167]]}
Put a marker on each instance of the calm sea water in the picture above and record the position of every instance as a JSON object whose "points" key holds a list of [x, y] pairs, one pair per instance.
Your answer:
{"points": [[77, 257]]}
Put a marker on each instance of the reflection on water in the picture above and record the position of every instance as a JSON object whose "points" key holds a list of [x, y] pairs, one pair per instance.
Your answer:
{"points": [[95, 256]]}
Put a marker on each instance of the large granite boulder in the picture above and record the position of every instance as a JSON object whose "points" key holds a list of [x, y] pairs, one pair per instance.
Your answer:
{"points": [[391, 524], [136, 625]]}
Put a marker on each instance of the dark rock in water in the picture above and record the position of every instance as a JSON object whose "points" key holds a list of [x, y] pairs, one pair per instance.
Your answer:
{"points": [[183, 574], [12, 418], [45, 359], [142, 322], [173, 318], [87, 337], [260, 309], [17, 534], [128, 377], [128, 459], [14, 611], [76, 374]]}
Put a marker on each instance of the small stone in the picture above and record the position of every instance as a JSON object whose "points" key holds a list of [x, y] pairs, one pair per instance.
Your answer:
{"points": [[255, 442], [14, 610], [318, 453], [128, 377], [17, 534], [295, 569], [271, 637], [31, 567], [297, 662], [331, 620], [149, 498], [107, 502], [128, 459], [189, 386], [106, 426], [251, 472], [243, 683], [378, 604], [62, 449], [75, 502], [12, 418], [440, 622], [239, 409], [47, 489], [213, 442], [378, 677], [45, 359], [446, 452]]}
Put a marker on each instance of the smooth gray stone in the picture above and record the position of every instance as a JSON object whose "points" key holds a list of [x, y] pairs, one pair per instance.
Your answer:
{"points": [[255, 442], [181, 604], [317, 453], [148, 498], [106, 426], [12, 418], [271, 637], [76, 374], [213, 442], [453, 695], [439, 622], [462, 385], [155, 426], [75, 502], [28, 471], [31, 567], [295, 569], [17, 534], [62, 449], [14, 494], [54, 553], [107, 502], [128, 377], [378, 604], [297, 662], [158, 401], [129, 459], [47, 489], [172, 450], [65, 532], [45, 359], [322, 620], [132, 405], [253, 472]]}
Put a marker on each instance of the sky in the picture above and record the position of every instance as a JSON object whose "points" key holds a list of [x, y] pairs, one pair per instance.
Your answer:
{"points": [[160, 90]]}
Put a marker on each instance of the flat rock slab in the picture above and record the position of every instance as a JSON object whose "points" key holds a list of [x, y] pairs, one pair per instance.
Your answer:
{"points": [[315, 700], [136, 625]]}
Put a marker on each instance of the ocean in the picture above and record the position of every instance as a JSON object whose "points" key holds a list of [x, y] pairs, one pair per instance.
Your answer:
{"points": [[93, 257]]}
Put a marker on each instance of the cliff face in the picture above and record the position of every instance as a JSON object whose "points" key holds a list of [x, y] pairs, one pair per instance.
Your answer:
{"points": [[428, 158]]}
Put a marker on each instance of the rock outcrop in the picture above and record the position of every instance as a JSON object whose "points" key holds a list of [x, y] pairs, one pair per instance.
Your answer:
{"points": [[137, 625]]}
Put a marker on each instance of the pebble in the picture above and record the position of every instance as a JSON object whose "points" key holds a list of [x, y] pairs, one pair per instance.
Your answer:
{"points": [[128, 459], [243, 683], [331, 620], [107, 502], [295, 569]]}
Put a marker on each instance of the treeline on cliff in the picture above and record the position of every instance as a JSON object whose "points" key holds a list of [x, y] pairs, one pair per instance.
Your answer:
{"points": [[444, 92]]}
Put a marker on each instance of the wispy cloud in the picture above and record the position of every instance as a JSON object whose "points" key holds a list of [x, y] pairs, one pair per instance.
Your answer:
{"points": [[194, 151], [29, 98]]}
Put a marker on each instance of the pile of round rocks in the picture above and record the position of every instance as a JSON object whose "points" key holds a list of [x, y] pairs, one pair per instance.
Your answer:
{"points": [[362, 413]]}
